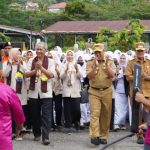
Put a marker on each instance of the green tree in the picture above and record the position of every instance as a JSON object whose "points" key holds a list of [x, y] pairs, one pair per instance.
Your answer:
{"points": [[124, 39], [76, 7], [4, 38]]}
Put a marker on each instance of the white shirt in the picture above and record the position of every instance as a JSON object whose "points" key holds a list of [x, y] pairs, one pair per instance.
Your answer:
{"points": [[34, 94]]}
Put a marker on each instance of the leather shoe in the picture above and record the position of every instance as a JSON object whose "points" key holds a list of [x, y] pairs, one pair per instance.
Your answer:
{"points": [[95, 140], [140, 140], [103, 141], [37, 138], [46, 141]]}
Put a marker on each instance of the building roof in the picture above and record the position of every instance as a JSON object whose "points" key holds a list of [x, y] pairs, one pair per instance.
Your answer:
{"points": [[18, 30], [61, 5], [89, 27]]}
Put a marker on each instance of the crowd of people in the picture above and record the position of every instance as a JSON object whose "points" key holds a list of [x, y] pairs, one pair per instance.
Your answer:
{"points": [[70, 91]]}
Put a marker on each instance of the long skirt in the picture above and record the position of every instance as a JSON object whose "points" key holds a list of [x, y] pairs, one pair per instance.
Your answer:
{"points": [[121, 108]]}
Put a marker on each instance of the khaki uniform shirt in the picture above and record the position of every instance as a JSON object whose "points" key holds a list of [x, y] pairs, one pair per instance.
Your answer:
{"points": [[101, 79], [145, 84]]}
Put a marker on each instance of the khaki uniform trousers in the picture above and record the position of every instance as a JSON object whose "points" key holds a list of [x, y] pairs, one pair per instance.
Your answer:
{"points": [[100, 107]]}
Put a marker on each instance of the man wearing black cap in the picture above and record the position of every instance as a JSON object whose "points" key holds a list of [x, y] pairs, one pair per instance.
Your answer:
{"points": [[7, 47], [4, 51]]}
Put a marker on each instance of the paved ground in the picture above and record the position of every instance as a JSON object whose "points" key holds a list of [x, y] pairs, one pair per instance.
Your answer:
{"points": [[77, 141]]}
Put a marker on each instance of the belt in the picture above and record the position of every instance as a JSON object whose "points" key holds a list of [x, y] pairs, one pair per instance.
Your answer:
{"points": [[101, 89]]}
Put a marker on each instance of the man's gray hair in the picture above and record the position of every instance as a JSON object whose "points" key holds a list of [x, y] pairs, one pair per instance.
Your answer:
{"points": [[43, 44]]}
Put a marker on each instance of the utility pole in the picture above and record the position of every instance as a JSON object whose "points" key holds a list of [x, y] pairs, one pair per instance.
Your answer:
{"points": [[30, 20]]}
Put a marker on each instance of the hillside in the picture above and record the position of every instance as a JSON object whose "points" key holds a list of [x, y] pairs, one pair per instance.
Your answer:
{"points": [[76, 10]]}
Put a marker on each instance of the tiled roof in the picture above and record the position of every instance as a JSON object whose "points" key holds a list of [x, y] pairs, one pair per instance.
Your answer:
{"points": [[57, 6], [16, 29], [83, 27]]}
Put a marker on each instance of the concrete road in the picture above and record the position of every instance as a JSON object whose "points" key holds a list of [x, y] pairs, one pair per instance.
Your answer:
{"points": [[77, 141]]}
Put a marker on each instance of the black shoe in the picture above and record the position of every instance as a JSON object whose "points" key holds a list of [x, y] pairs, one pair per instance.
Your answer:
{"points": [[59, 129], [103, 141], [46, 141], [67, 130], [87, 124], [140, 140], [77, 126], [95, 141], [82, 127]]}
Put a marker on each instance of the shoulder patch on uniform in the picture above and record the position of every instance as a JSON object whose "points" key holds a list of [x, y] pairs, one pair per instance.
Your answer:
{"points": [[132, 59], [90, 60], [147, 58]]}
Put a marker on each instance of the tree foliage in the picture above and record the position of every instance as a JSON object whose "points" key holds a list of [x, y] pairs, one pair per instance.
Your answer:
{"points": [[4, 38], [76, 7], [80, 10], [124, 39]]}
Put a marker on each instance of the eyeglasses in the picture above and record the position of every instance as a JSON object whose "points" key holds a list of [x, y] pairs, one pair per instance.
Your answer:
{"points": [[140, 51]]}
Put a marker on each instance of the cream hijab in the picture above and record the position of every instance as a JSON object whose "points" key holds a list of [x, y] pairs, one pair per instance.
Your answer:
{"points": [[14, 54], [71, 69]]}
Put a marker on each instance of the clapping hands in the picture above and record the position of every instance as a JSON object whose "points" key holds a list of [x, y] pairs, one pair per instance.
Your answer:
{"points": [[38, 65]]}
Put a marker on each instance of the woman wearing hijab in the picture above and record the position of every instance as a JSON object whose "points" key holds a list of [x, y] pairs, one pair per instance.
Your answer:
{"points": [[84, 103], [40, 70], [71, 76], [10, 107], [57, 92], [121, 95], [13, 70]]}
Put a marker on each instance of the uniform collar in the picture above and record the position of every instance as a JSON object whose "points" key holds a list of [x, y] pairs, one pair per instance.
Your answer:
{"points": [[138, 60], [103, 60]]}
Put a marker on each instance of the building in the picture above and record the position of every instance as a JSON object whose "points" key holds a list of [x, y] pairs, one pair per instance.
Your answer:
{"points": [[88, 28], [57, 7], [31, 5], [23, 37]]}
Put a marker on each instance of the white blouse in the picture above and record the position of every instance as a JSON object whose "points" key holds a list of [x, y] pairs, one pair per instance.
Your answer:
{"points": [[73, 90], [6, 70]]}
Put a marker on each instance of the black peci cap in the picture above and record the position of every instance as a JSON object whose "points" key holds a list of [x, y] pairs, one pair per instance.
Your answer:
{"points": [[1, 46], [7, 44]]}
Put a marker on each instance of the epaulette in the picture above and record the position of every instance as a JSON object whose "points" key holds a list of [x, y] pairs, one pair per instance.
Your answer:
{"points": [[147, 58], [90, 60], [110, 59], [132, 59]]}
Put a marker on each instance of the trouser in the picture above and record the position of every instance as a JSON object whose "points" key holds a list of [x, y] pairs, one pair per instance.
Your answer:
{"points": [[41, 111], [24, 108], [58, 108], [121, 108], [71, 111], [26, 111], [100, 107], [13, 126], [112, 114]]}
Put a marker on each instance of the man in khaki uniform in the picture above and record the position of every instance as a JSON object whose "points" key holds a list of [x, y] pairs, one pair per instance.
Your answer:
{"points": [[100, 72], [145, 83]]}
